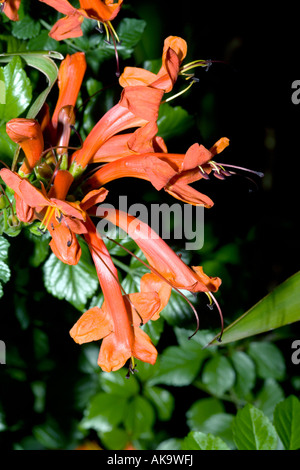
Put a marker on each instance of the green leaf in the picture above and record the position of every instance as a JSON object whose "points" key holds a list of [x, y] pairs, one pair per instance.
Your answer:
{"points": [[26, 28], [76, 284], [201, 410], [4, 268], [218, 375], [173, 121], [200, 441], [49, 435], [252, 430], [176, 367], [170, 444], [270, 394], [115, 439], [44, 63], [178, 311], [18, 92], [117, 384], [280, 307], [4, 246], [8, 147], [287, 422], [105, 412], [139, 417], [269, 360], [245, 373], [162, 400], [154, 329]]}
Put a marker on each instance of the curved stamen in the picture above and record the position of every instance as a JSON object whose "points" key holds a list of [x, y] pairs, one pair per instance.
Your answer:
{"points": [[226, 165], [212, 298]]}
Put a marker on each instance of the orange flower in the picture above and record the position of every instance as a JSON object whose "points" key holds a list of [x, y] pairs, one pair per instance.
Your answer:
{"points": [[70, 76], [63, 219], [10, 8], [70, 25], [161, 257], [118, 321], [27, 133], [174, 51], [173, 172], [138, 107]]}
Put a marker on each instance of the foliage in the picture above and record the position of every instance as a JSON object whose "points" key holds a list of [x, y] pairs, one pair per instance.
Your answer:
{"points": [[200, 395]]}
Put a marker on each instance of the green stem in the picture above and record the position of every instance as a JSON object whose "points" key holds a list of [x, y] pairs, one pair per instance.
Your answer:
{"points": [[121, 265]]}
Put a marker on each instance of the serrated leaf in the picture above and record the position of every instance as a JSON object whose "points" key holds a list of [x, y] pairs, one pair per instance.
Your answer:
{"points": [[139, 417], [162, 400], [173, 121], [269, 360], [218, 375], [18, 91], [103, 414], [76, 283], [117, 384], [176, 367], [26, 28], [201, 410], [200, 441], [245, 372], [267, 398], [280, 307], [252, 430], [4, 246], [287, 422]]}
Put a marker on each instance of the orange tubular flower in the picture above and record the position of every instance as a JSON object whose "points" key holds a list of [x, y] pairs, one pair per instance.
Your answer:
{"points": [[70, 25], [174, 51], [10, 8], [173, 172], [27, 133], [70, 76], [161, 257], [63, 219], [138, 107], [118, 321]]}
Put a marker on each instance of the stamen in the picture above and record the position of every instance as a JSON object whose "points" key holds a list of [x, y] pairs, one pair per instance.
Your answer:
{"points": [[258, 173], [212, 298], [46, 219], [204, 174], [112, 29], [131, 367], [180, 93]]}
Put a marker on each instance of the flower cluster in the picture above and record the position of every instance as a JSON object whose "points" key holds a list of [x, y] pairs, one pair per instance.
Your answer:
{"points": [[54, 188]]}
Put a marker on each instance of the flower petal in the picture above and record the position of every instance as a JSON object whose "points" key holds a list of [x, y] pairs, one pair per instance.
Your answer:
{"points": [[113, 354], [28, 134], [67, 27], [143, 347], [70, 76], [11, 8], [149, 283], [143, 306], [100, 10], [64, 244], [93, 325], [93, 197]]}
